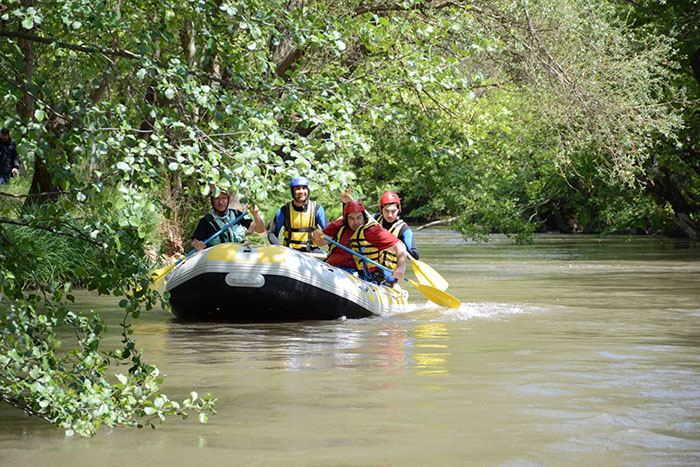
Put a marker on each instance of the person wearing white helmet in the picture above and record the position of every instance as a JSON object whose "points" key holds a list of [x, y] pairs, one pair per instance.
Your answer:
{"points": [[299, 217], [219, 217]]}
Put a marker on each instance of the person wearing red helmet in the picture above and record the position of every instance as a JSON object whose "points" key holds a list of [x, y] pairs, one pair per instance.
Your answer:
{"points": [[299, 217], [388, 217], [361, 233], [219, 216]]}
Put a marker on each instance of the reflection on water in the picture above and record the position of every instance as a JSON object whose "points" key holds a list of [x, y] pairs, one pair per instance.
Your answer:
{"points": [[314, 346], [292, 346], [576, 349], [431, 349]]}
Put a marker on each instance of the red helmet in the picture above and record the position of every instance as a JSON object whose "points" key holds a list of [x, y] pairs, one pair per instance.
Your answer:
{"points": [[353, 206], [389, 197]]}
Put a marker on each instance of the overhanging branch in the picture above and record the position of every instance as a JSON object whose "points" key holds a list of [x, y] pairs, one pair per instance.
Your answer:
{"points": [[52, 230], [30, 195], [116, 53], [66, 45]]}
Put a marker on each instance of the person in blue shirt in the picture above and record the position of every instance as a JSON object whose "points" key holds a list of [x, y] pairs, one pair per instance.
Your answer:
{"points": [[388, 217], [299, 217]]}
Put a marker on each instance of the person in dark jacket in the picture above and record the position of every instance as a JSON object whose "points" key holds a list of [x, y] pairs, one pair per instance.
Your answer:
{"points": [[9, 159], [219, 217]]}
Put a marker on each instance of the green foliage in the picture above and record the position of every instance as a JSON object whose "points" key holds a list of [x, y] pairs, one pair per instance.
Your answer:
{"points": [[512, 116], [552, 133], [73, 389], [671, 174], [56, 258]]}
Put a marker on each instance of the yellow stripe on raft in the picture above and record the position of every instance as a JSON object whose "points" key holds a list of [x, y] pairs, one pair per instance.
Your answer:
{"points": [[237, 252]]}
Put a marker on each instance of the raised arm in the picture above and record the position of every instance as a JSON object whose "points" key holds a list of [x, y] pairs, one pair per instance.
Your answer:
{"points": [[258, 224]]}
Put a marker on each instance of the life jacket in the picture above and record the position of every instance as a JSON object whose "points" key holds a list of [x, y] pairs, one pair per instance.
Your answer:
{"points": [[386, 257], [234, 234], [359, 243], [298, 226]]}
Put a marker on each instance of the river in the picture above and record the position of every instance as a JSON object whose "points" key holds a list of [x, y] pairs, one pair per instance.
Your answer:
{"points": [[573, 350]]}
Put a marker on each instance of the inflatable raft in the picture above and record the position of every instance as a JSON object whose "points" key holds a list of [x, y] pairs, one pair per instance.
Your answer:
{"points": [[247, 283]]}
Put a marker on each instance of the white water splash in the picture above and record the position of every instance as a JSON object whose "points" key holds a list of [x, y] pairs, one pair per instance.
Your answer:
{"points": [[490, 311]]}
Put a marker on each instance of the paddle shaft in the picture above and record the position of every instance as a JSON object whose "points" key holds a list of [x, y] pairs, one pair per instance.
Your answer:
{"points": [[427, 276], [431, 293], [358, 254], [235, 221]]}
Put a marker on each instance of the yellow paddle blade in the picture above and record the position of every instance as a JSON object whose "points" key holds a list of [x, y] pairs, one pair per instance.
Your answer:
{"points": [[158, 276], [427, 275], [436, 295], [158, 282]]}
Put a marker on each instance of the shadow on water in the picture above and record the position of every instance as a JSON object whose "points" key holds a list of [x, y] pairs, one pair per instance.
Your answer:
{"points": [[214, 343]]}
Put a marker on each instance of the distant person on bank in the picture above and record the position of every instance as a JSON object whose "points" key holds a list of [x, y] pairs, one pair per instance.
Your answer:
{"points": [[219, 216], [9, 159]]}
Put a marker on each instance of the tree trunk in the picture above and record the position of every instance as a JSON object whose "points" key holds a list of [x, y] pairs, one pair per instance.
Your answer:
{"points": [[42, 178], [687, 225], [668, 189], [287, 53]]}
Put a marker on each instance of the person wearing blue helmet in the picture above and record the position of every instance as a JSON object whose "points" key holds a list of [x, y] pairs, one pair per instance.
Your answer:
{"points": [[299, 217]]}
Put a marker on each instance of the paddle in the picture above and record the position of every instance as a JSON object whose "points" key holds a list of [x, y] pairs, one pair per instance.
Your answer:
{"points": [[159, 274], [425, 274], [431, 293]]}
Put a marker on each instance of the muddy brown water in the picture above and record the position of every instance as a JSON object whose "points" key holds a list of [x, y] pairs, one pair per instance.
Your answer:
{"points": [[574, 350]]}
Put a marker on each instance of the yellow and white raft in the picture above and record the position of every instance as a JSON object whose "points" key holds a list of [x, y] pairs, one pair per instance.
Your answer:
{"points": [[235, 282]]}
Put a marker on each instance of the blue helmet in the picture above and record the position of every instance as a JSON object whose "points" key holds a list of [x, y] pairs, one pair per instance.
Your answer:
{"points": [[298, 181]]}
